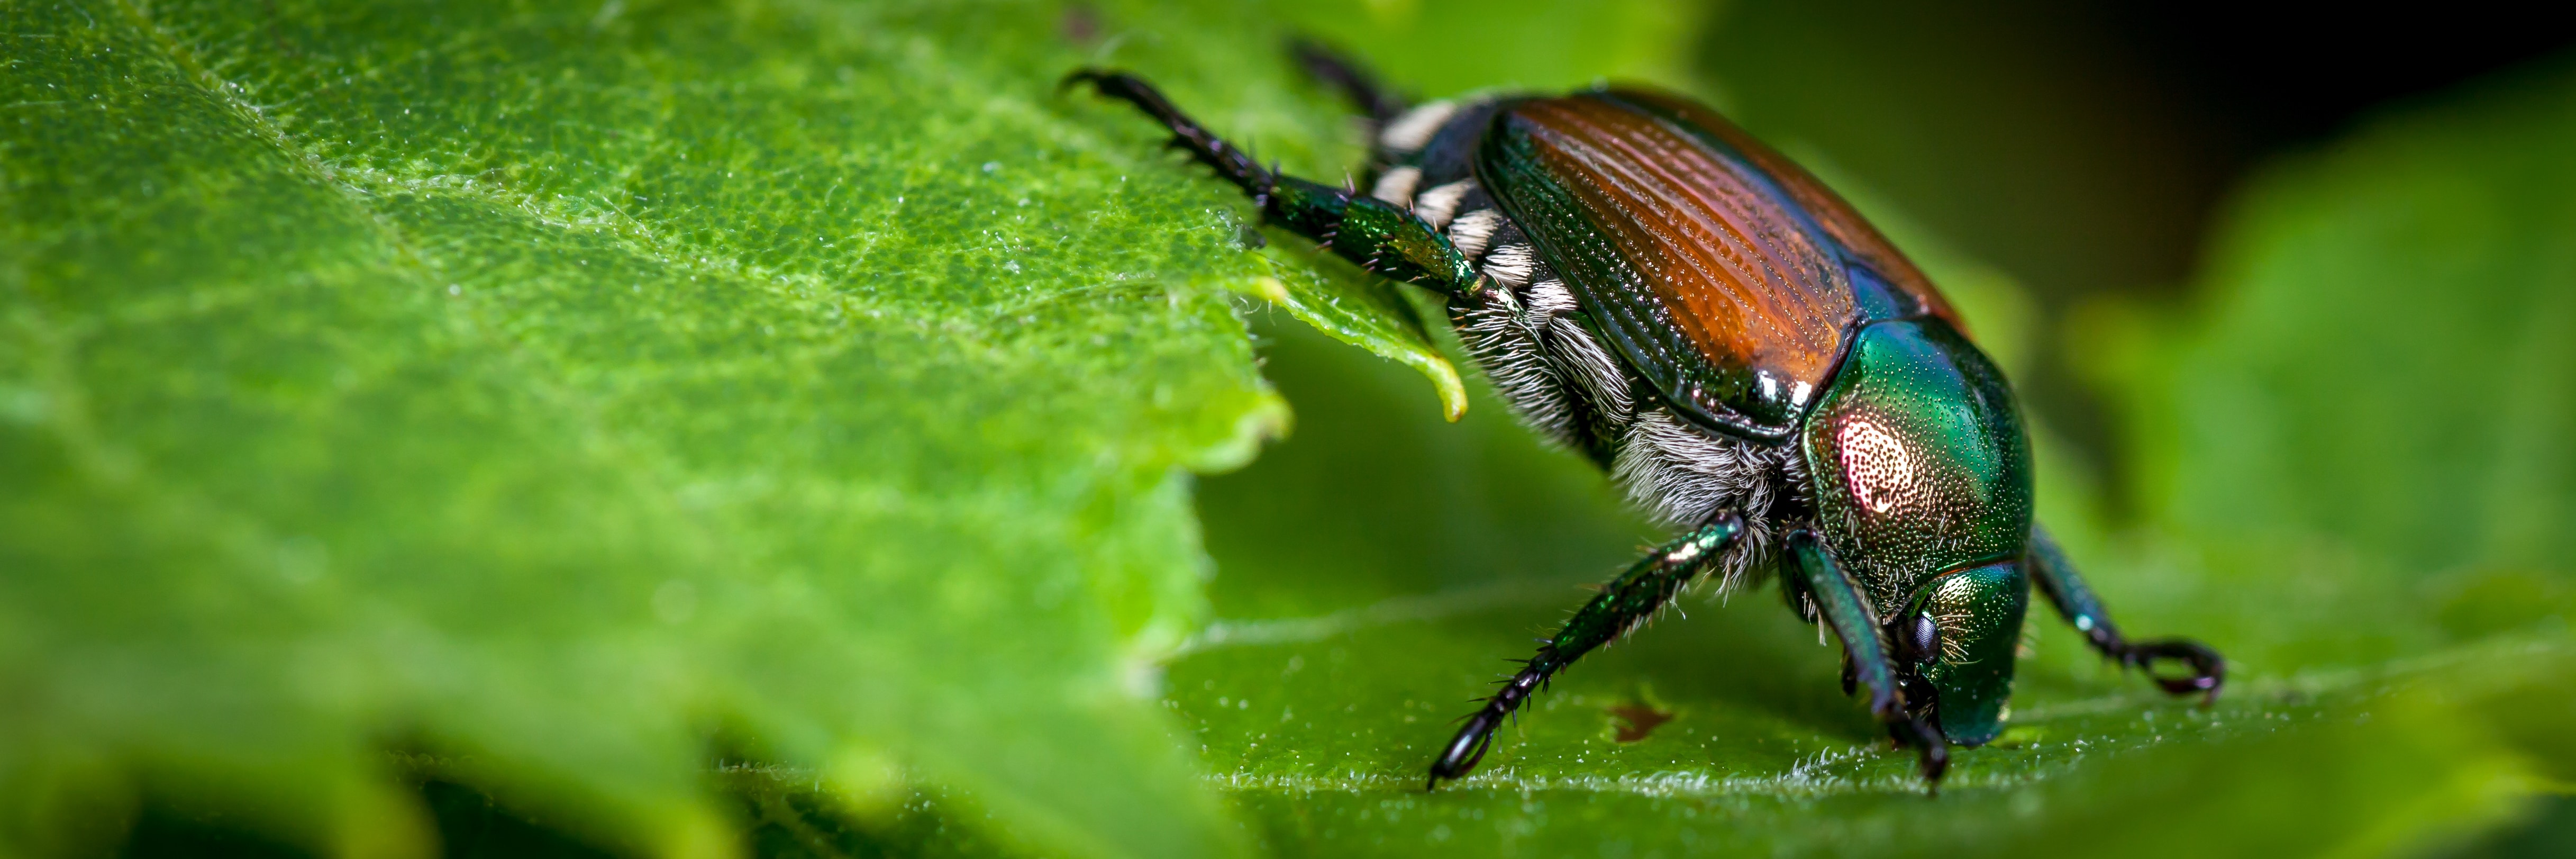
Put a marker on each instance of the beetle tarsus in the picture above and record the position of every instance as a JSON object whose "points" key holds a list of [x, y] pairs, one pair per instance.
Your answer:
{"points": [[1932, 750], [2208, 669], [1477, 736], [1229, 161], [2074, 599]]}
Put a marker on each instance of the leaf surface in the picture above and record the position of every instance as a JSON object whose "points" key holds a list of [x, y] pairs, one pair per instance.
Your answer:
{"points": [[577, 393]]}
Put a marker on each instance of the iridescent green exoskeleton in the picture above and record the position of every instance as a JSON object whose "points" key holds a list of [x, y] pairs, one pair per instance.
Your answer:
{"points": [[1744, 355]]}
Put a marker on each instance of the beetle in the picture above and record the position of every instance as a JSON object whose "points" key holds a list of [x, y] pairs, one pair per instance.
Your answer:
{"points": [[1750, 361]]}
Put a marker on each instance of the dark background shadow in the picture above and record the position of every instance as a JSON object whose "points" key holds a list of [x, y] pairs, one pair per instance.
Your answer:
{"points": [[2087, 147]]}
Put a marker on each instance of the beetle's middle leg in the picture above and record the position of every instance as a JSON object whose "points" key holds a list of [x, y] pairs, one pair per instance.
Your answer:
{"points": [[2075, 599], [1377, 235], [1626, 602]]}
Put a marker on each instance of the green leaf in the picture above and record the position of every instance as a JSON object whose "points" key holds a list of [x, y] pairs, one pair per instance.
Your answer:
{"points": [[574, 394], [1358, 308], [2400, 663]]}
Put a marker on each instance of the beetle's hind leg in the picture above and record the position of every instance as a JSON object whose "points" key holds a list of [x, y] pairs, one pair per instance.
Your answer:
{"points": [[1345, 74], [1628, 601], [1371, 232], [2076, 600]]}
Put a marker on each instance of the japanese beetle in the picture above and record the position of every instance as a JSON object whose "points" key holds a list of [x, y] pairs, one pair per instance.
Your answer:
{"points": [[1748, 359]]}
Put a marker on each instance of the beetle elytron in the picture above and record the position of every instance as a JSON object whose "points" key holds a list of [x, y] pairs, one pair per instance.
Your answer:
{"points": [[1748, 359]]}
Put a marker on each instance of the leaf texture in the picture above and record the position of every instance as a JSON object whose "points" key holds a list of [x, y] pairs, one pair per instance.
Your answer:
{"points": [[575, 394]]}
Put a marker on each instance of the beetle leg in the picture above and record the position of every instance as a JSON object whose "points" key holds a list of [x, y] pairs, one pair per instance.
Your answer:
{"points": [[1230, 162], [1840, 605], [1345, 74], [1623, 604], [2076, 600], [1378, 235]]}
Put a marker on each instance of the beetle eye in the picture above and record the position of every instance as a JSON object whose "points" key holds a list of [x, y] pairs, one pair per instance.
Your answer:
{"points": [[1925, 636]]}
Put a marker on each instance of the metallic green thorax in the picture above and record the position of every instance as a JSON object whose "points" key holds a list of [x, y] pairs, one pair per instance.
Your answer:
{"points": [[1918, 459], [1921, 474]]}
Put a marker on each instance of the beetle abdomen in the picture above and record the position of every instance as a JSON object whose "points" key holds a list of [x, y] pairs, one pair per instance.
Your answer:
{"points": [[1528, 333], [1682, 474], [1495, 327], [1524, 330], [1546, 352]]}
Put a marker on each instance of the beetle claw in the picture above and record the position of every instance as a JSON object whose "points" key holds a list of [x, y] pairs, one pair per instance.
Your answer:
{"points": [[2208, 669], [1932, 749], [1466, 749]]}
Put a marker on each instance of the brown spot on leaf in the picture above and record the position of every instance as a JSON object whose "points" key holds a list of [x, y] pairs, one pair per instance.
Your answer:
{"points": [[1635, 720]]}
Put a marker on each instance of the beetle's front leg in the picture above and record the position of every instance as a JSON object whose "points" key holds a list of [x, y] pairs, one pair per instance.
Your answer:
{"points": [[1374, 233], [2074, 599], [1626, 602], [1840, 606]]}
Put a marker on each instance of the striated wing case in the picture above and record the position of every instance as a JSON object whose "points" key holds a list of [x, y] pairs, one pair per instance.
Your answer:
{"points": [[1722, 273]]}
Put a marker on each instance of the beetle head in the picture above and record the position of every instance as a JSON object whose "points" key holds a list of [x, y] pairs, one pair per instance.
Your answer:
{"points": [[1956, 643], [1921, 475]]}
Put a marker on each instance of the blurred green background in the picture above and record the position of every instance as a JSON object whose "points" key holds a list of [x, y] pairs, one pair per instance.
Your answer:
{"points": [[2289, 292]]}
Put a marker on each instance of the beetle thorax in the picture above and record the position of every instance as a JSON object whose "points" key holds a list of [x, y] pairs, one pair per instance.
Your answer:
{"points": [[1919, 462]]}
